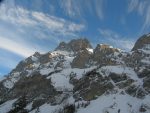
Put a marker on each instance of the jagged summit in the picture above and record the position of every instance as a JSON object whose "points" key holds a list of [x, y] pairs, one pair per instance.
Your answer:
{"points": [[142, 42], [74, 45], [36, 54], [105, 47], [76, 76]]}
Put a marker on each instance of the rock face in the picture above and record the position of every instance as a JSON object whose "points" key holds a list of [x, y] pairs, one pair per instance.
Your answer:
{"points": [[102, 53], [33, 87], [142, 42], [67, 79], [74, 45], [63, 46], [97, 83], [81, 59]]}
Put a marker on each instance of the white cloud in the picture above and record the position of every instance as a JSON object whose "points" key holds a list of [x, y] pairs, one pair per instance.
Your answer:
{"points": [[133, 4], [116, 39], [16, 47], [57, 24], [16, 15], [147, 19], [28, 31], [71, 7], [142, 7], [22, 32], [79, 8], [23, 17], [99, 8]]}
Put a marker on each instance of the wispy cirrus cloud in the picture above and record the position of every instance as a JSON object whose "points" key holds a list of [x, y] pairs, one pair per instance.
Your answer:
{"points": [[142, 7], [71, 7], [116, 39], [16, 47], [21, 16], [58, 25], [79, 8], [30, 27], [99, 8], [22, 32]]}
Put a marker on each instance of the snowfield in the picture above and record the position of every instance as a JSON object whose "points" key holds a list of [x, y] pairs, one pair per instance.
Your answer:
{"points": [[7, 106], [119, 69], [119, 90], [114, 103]]}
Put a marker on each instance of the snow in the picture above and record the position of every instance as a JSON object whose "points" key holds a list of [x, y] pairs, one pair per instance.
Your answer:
{"points": [[46, 71], [55, 53], [61, 82], [81, 72], [148, 34], [116, 54], [29, 106], [106, 45], [9, 82], [46, 108], [146, 51], [112, 103], [70, 100], [90, 50], [36, 65], [2, 78], [111, 47], [68, 61], [146, 61], [34, 58], [7, 106], [119, 69]]}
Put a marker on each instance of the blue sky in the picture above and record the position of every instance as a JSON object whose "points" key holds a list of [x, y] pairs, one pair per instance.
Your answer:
{"points": [[27, 26]]}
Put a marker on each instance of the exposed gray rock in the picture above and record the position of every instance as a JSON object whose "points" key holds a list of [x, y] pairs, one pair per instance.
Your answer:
{"points": [[92, 85], [81, 59], [35, 86], [141, 42], [39, 89], [102, 54], [74, 45], [63, 46]]}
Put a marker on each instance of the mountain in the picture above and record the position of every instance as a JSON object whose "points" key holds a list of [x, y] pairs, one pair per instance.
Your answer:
{"points": [[142, 42], [77, 78]]}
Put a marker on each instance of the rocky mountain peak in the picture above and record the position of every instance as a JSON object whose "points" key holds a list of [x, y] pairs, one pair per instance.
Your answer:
{"points": [[74, 45], [105, 48], [75, 74], [142, 42], [37, 54], [63, 46]]}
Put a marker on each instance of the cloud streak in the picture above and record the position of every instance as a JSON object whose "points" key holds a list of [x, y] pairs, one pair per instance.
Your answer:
{"points": [[142, 7], [21, 16], [22, 32], [79, 8], [116, 39], [16, 47], [43, 26]]}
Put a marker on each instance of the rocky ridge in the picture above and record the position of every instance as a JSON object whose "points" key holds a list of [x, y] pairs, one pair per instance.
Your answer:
{"points": [[76, 78]]}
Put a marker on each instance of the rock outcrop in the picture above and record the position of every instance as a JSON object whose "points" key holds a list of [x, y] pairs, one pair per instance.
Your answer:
{"points": [[142, 42], [68, 78], [74, 45]]}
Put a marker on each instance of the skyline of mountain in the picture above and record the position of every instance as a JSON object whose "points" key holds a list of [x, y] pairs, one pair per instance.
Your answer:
{"points": [[39, 25]]}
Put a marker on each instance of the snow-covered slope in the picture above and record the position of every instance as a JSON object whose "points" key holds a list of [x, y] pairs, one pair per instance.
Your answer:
{"points": [[77, 78]]}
